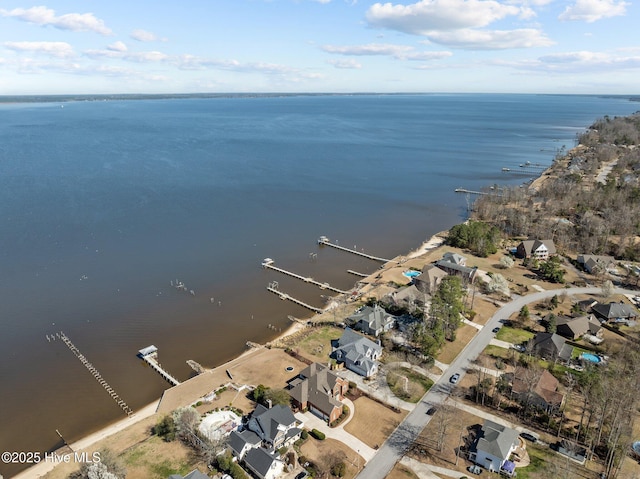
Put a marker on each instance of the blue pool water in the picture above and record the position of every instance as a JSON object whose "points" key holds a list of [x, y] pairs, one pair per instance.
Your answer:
{"points": [[590, 357], [412, 273]]}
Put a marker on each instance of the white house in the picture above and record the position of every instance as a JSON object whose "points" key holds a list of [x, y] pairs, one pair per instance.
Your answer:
{"points": [[494, 446]]}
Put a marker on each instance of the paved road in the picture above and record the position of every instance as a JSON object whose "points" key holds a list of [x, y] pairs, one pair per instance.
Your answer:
{"points": [[406, 433]]}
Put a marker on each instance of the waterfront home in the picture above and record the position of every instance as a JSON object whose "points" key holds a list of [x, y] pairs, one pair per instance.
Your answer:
{"points": [[408, 298], [544, 394], [319, 390], [467, 274], [371, 320], [358, 353], [276, 426], [493, 447], [537, 249], [429, 279], [455, 258], [241, 442]]}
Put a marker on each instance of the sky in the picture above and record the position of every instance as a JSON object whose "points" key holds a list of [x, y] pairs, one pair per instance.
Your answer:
{"points": [[336, 46]]}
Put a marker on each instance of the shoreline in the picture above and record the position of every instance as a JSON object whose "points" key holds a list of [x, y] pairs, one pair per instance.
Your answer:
{"points": [[155, 407]]}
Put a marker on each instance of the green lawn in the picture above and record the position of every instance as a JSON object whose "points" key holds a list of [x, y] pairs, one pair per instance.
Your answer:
{"points": [[514, 335], [317, 345], [411, 389]]}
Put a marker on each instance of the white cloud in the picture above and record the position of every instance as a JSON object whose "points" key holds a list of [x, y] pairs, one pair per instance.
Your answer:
{"points": [[118, 47], [580, 61], [593, 10], [429, 15], [143, 36], [491, 39], [348, 64], [54, 49], [382, 49], [76, 22]]}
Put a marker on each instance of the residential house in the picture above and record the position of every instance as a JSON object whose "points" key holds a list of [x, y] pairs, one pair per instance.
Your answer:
{"points": [[371, 320], [574, 328], [358, 353], [455, 258], [241, 442], [264, 464], [195, 474], [594, 264], [276, 426], [615, 312], [551, 346], [430, 278], [467, 274], [543, 393], [409, 297], [320, 390], [538, 249], [494, 446]]}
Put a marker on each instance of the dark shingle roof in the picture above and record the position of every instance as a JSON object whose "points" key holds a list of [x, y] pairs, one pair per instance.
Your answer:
{"points": [[259, 460], [237, 440]]}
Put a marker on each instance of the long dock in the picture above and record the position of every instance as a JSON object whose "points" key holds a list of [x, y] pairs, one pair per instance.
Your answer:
{"points": [[362, 275], [268, 263], [324, 241], [150, 356], [284, 296], [473, 192], [127, 410]]}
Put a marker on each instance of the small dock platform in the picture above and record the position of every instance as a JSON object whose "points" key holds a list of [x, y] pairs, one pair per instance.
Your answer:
{"points": [[284, 296], [268, 263], [150, 356], [324, 241]]}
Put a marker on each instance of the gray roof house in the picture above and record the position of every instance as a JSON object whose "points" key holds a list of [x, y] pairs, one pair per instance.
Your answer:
{"points": [[539, 249], [551, 346], [195, 474], [241, 442], [593, 263], [358, 353], [409, 296], [467, 274], [371, 320], [263, 464], [276, 426], [493, 446], [614, 311], [455, 258]]}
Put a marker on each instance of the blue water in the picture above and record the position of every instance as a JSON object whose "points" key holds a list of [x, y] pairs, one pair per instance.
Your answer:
{"points": [[590, 357], [412, 274], [103, 203]]}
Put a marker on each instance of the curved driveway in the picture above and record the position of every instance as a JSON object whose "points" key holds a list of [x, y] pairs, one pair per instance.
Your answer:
{"points": [[405, 434]]}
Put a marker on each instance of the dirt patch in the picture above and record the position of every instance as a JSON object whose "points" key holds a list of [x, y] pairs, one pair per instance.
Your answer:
{"points": [[373, 433], [450, 350], [401, 472], [325, 454]]}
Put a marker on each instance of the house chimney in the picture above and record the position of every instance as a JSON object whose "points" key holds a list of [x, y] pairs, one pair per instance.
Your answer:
{"points": [[269, 403]]}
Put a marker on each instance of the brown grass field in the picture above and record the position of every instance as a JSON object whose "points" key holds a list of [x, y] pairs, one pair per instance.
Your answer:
{"points": [[373, 433], [449, 351], [401, 472], [325, 453]]}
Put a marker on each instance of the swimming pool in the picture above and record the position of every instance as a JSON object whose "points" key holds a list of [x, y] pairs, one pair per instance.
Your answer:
{"points": [[590, 357], [412, 273]]}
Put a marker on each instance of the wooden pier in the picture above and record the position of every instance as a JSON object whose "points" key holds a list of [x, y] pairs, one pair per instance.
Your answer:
{"points": [[273, 287], [268, 263], [362, 275], [324, 241], [150, 356], [473, 192], [126, 409]]}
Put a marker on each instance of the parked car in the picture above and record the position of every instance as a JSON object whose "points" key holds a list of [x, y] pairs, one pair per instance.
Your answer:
{"points": [[475, 469], [454, 379], [496, 329], [528, 436], [302, 475], [431, 411]]}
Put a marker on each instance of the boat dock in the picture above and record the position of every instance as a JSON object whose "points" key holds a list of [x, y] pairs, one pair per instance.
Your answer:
{"points": [[268, 263], [273, 287], [150, 356], [125, 408], [362, 275], [324, 241], [473, 192]]}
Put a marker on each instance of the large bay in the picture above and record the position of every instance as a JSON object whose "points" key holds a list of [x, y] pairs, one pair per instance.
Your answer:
{"points": [[103, 203]]}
